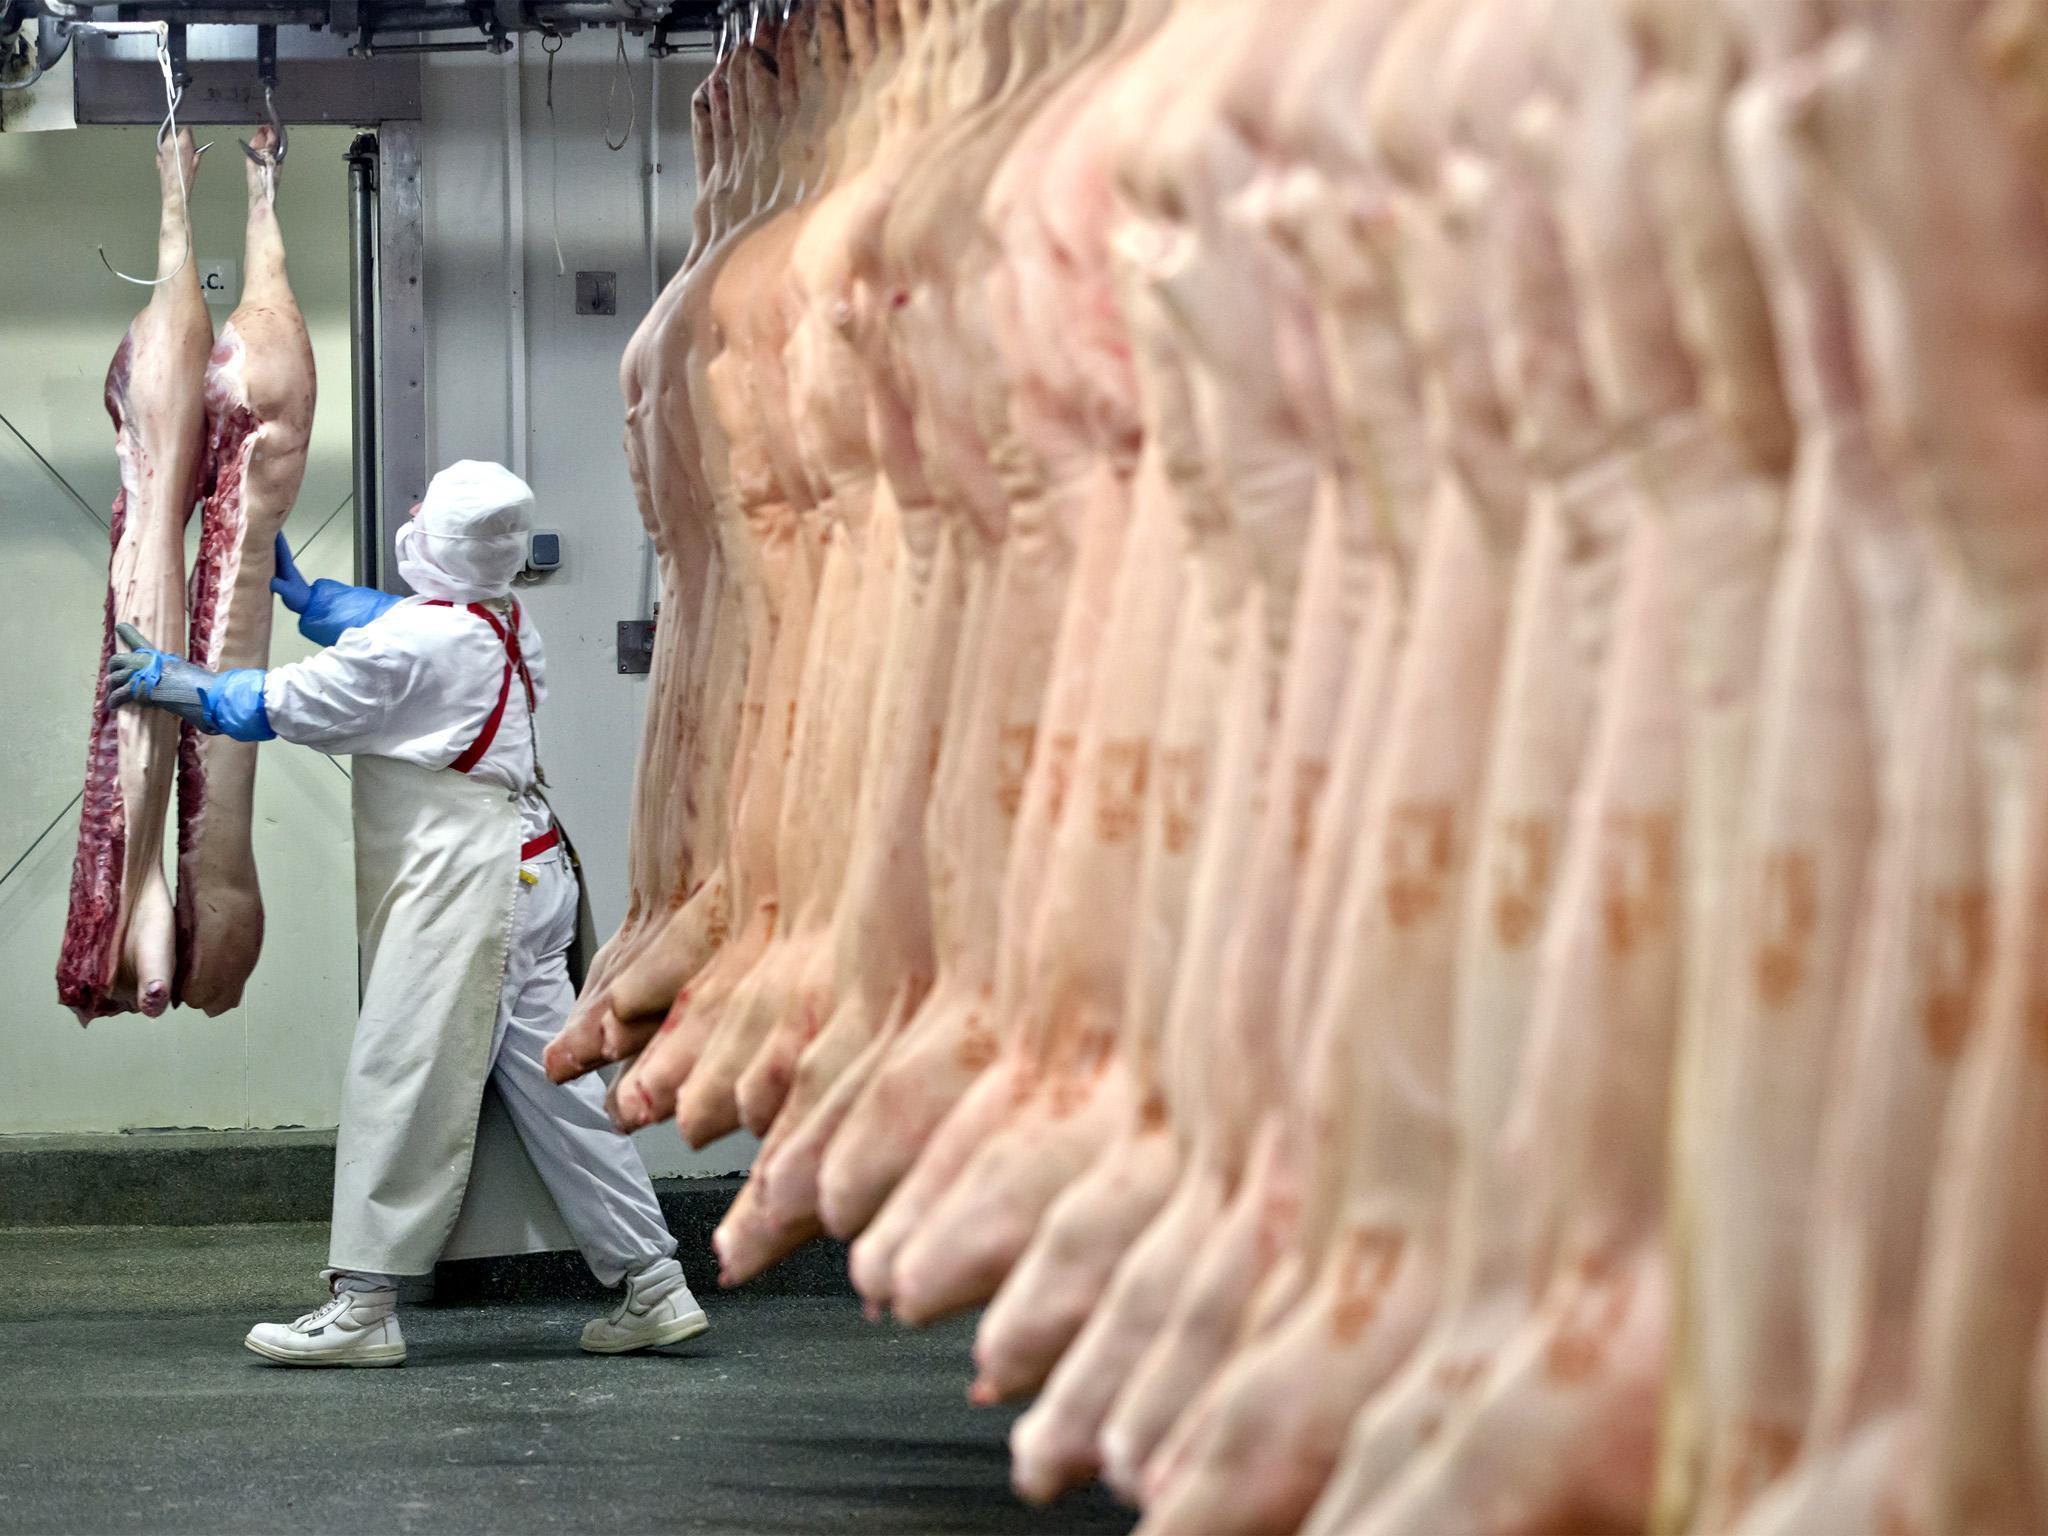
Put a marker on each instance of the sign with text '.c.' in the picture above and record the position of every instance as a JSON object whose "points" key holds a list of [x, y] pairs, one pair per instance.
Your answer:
{"points": [[217, 282]]}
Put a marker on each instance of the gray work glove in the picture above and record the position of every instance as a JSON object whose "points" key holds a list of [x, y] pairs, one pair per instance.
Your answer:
{"points": [[226, 703], [142, 674]]}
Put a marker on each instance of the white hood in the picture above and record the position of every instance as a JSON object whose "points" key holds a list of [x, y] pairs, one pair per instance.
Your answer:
{"points": [[469, 539]]}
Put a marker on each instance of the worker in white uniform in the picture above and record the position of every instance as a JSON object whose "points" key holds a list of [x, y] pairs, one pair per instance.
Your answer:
{"points": [[467, 905]]}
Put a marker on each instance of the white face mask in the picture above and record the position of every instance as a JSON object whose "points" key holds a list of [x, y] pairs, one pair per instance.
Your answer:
{"points": [[457, 570]]}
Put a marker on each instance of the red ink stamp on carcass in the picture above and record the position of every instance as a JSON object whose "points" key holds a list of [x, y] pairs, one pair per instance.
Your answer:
{"points": [[1421, 843], [1013, 763], [1181, 776], [1310, 775], [1521, 878], [1789, 912], [1638, 877], [1957, 936], [1120, 789], [1367, 1270]]}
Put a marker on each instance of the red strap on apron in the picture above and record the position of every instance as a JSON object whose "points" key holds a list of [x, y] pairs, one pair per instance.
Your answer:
{"points": [[535, 847], [474, 754]]}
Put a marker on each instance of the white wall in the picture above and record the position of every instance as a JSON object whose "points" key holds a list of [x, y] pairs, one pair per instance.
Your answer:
{"points": [[494, 323], [277, 1060], [501, 318]]}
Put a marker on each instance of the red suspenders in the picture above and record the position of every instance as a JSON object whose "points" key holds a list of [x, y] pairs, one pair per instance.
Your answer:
{"points": [[474, 753]]}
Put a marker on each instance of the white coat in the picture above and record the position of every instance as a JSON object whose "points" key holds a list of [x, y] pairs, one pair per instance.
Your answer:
{"points": [[418, 684], [465, 923]]}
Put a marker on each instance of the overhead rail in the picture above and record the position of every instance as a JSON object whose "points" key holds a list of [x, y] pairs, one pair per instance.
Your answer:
{"points": [[370, 26]]}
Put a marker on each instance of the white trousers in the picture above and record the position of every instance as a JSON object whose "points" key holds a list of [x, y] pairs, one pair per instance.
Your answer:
{"points": [[596, 1177]]}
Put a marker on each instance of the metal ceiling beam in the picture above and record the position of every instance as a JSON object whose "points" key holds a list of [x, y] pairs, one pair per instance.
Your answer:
{"points": [[366, 18], [122, 88]]}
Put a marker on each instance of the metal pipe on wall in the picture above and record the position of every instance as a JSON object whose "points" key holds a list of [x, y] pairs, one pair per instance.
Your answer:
{"points": [[401, 350], [653, 206], [653, 180], [362, 351], [366, 525], [515, 257]]}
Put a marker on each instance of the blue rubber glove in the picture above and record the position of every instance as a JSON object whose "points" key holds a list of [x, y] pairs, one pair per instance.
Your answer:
{"points": [[326, 609], [292, 589], [219, 703]]}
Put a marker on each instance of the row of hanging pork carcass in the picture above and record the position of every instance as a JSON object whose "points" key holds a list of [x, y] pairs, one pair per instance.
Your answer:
{"points": [[1345, 715]]}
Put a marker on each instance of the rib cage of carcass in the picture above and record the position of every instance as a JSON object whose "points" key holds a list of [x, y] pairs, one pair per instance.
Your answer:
{"points": [[1351, 723], [225, 425]]}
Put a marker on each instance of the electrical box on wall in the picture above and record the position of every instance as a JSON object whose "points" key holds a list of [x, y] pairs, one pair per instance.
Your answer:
{"points": [[636, 647], [543, 551], [597, 293]]}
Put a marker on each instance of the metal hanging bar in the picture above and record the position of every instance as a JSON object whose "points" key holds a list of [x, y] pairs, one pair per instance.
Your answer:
{"points": [[364, 23], [363, 363], [266, 71]]}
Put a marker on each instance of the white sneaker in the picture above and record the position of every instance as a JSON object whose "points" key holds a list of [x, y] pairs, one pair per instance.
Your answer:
{"points": [[657, 1309], [356, 1328]]}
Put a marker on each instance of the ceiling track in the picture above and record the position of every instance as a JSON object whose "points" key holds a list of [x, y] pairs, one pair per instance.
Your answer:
{"points": [[379, 26]]}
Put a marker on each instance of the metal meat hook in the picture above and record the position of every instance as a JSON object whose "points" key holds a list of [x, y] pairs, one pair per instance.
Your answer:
{"points": [[276, 127], [266, 71], [168, 126], [173, 94]]}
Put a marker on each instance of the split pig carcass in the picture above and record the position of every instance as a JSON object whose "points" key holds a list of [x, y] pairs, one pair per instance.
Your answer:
{"points": [[225, 424]]}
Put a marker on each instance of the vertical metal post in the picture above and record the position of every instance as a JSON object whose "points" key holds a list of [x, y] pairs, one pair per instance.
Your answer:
{"points": [[174, 44], [266, 56], [363, 350], [518, 420], [650, 595], [401, 334]]}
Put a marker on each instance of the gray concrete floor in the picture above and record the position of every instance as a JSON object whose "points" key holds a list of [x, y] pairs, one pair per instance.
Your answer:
{"points": [[127, 1403]]}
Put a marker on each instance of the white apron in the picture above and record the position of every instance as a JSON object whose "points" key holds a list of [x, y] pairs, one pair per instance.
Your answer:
{"points": [[437, 872]]}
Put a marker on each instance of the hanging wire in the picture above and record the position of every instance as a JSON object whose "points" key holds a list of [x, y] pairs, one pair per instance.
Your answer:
{"points": [[173, 94], [622, 70], [551, 44], [57, 822]]}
